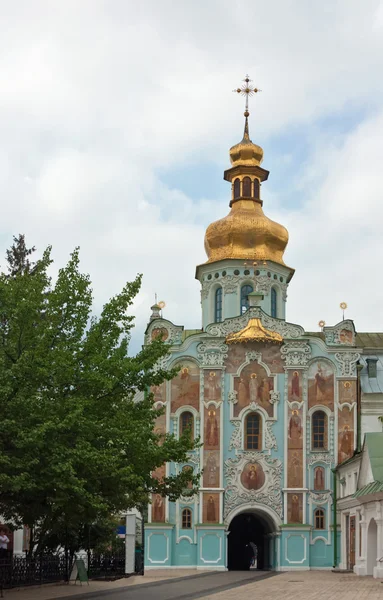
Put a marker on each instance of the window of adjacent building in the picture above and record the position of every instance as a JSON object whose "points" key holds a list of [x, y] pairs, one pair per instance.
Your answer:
{"points": [[256, 188], [218, 305], [187, 423], [246, 187], [245, 291], [274, 299], [319, 518], [237, 189], [319, 430], [186, 518], [253, 432]]}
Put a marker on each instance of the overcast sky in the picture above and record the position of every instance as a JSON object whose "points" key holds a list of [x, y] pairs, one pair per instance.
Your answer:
{"points": [[116, 119]]}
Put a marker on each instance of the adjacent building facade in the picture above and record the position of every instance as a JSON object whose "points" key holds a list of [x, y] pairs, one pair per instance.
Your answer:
{"points": [[277, 408]]}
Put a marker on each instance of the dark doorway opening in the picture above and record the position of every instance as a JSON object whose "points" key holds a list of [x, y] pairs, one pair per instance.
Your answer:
{"points": [[248, 533]]}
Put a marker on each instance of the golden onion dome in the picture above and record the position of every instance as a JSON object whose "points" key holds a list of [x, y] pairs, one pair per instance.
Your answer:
{"points": [[246, 233]]}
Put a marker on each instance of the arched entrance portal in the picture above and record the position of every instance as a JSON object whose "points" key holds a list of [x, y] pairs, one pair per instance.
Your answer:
{"points": [[248, 531], [372, 543]]}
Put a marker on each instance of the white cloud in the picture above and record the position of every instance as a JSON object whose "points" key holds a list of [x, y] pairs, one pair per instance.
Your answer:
{"points": [[100, 100]]}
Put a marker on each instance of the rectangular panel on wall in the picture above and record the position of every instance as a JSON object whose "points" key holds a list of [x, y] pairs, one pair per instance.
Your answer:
{"points": [[294, 508], [295, 448], [212, 385], [211, 428], [158, 502], [185, 387], [210, 510], [211, 465], [345, 433], [321, 384], [347, 391]]}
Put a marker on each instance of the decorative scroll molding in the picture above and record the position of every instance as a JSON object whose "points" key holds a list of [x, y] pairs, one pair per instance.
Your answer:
{"points": [[230, 283], [347, 363], [270, 439], [193, 459], [286, 330], [269, 494], [212, 353], [257, 356], [323, 457], [296, 353], [205, 288], [263, 284], [163, 363], [274, 396], [232, 396], [236, 437], [320, 498]]}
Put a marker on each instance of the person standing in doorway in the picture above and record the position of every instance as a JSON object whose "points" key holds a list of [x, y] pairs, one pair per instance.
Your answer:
{"points": [[4, 541]]}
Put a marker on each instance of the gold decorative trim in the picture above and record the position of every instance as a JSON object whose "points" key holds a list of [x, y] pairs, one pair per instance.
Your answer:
{"points": [[254, 332]]}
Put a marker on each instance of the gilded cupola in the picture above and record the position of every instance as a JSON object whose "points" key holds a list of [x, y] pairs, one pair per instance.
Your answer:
{"points": [[246, 233]]}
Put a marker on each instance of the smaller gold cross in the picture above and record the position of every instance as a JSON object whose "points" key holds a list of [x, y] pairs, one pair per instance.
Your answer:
{"points": [[247, 89]]}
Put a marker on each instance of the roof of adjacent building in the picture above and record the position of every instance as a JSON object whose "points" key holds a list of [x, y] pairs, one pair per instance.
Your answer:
{"points": [[373, 444]]}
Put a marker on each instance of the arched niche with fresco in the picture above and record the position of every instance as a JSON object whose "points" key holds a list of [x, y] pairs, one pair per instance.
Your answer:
{"points": [[253, 385], [185, 387]]}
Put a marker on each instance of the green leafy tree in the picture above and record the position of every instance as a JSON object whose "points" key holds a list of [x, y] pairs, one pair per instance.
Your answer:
{"points": [[75, 445]]}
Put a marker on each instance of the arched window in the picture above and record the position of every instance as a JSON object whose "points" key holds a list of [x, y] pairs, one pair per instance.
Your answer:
{"points": [[245, 291], [256, 188], [187, 423], [253, 432], [218, 305], [186, 518], [246, 187], [237, 189], [319, 518], [274, 299], [319, 430]]}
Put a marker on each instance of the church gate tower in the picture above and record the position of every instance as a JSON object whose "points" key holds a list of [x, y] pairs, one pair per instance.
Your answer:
{"points": [[275, 406]]}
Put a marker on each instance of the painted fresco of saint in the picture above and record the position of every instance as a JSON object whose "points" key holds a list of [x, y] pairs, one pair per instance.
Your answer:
{"points": [[295, 384], [213, 386], [295, 512], [347, 392], [253, 476], [211, 430], [253, 387], [295, 469], [319, 479], [211, 471], [242, 395], [320, 384], [345, 336], [210, 510], [295, 429], [158, 509], [345, 443], [184, 381]]}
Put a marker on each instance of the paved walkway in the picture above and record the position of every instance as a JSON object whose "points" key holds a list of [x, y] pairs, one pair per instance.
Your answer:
{"points": [[307, 585], [61, 590], [234, 585]]}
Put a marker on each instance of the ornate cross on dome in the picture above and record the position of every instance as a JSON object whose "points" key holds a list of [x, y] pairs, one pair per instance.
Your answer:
{"points": [[247, 89]]}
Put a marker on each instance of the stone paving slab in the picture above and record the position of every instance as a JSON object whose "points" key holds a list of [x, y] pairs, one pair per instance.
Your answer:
{"points": [[307, 585], [62, 590]]}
